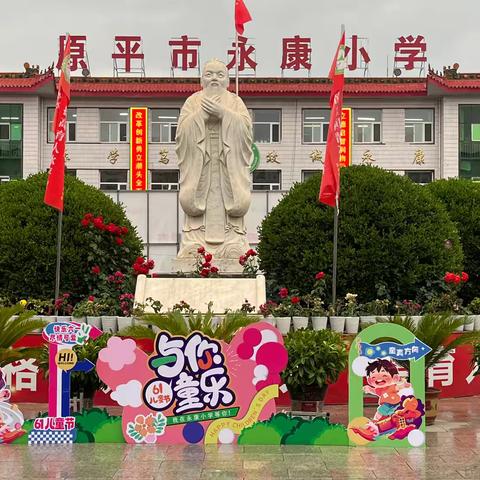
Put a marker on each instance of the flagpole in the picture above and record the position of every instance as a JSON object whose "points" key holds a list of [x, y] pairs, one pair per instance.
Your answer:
{"points": [[236, 62], [59, 252], [335, 231]]}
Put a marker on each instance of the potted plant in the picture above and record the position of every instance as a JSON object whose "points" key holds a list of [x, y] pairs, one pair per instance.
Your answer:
{"points": [[298, 312], [266, 310], [282, 317], [63, 308], [315, 359], [410, 309], [371, 310], [318, 314], [83, 386], [474, 309], [436, 331], [90, 308], [15, 323], [345, 315]]}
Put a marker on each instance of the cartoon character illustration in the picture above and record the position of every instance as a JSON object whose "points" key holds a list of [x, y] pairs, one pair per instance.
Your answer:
{"points": [[398, 412], [11, 419]]}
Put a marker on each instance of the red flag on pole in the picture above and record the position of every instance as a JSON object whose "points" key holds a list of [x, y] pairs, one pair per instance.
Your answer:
{"points": [[56, 174], [330, 186], [242, 16]]}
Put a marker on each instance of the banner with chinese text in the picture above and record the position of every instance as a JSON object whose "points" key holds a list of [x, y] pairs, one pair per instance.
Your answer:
{"points": [[346, 138], [138, 148]]}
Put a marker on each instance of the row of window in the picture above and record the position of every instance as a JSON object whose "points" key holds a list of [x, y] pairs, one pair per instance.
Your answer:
{"points": [[261, 179], [267, 125]]}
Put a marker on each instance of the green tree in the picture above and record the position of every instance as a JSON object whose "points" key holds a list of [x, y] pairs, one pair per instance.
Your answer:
{"points": [[392, 236], [28, 233]]}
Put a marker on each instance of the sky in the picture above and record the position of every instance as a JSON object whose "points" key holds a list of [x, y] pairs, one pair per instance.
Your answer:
{"points": [[30, 30]]}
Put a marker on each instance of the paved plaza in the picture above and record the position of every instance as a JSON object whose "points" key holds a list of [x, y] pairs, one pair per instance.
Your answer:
{"points": [[453, 452]]}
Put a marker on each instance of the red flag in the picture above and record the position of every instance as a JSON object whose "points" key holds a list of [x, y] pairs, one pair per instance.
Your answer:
{"points": [[56, 174], [330, 186], [242, 16]]}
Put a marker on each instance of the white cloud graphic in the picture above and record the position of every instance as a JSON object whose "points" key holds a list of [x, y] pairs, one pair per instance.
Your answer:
{"points": [[128, 394]]}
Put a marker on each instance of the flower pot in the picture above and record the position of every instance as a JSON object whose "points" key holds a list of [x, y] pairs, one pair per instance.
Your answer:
{"points": [[124, 322], [319, 323], [156, 330], [367, 320], [351, 324], [79, 319], [476, 322], [64, 318], [311, 399], [283, 324], [461, 328], [416, 320], [469, 324], [109, 323], [271, 320], [95, 321], [431, 405], [337, 324], [300, 322]]}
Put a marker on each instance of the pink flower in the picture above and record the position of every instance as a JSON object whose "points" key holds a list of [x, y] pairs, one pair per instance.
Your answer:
{"points": [[96, 270], [283, 292], [91, 298], [319, 276]]}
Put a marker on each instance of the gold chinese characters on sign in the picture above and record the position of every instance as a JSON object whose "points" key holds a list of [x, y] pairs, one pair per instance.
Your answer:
{"points": [[316, 155], [367, 158], [272, 157], [163, 156], [113, 156], [419, 157]]}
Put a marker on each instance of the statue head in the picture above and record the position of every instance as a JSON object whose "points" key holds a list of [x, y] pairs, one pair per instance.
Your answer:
{"points": [[215, 76]]}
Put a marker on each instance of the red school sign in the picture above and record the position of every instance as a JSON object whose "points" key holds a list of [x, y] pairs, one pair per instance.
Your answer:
{"points": [[138, 148]]}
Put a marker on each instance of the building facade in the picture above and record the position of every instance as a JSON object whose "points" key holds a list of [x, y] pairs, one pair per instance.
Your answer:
{"points": [[425, 128]]}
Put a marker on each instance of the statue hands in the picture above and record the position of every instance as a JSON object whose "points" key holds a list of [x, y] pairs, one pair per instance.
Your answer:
{"points": [[212, 107]]}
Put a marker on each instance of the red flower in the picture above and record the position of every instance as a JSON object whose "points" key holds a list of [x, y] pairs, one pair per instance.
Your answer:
{"points": [[85, 223], [251, 253], [449, 277], [204, 272], [124, 230], [295, 300], [201, 250], [96, 270], [139, 260], [119, 240], [457, 279], [111, 227], [119, 274], [206, 264], [283, 292], [214, 269], [150, 264], [465, 277], [91, 298], [66, 295], [88, 216], [319, 276], [111, 278], [98, 223], [208, 257], [242, 260]]}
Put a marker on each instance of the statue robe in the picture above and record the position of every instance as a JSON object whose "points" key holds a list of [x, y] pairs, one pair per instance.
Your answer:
{"points": [[214, 158]]}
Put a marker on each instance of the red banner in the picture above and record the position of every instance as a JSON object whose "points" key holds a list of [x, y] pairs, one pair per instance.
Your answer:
{"points": [[138, 148]]}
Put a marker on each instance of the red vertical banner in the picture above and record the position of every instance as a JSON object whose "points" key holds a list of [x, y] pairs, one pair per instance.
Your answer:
{"points": [[346, 138], [138, 148]]}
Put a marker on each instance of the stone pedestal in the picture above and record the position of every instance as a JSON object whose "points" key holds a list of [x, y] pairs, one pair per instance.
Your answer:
{"points": [[225, 265], [225, 293]]}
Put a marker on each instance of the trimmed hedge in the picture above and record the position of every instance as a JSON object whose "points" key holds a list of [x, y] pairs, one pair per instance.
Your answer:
{"points": [[28, 237], [461, 198], [392, 236]]}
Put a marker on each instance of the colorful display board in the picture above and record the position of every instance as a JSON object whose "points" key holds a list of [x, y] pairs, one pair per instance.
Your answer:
{"points": [[195, 389], [374, 369], [11, 418]]}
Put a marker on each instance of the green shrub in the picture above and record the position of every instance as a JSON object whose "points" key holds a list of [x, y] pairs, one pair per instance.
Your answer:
{"points": [[392, 236], [319, 431], [461, 198], [269, 432], [28, 236]]}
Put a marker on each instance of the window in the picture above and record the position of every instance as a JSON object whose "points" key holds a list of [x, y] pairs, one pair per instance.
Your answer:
{"points": [[71, 124], [266, 125], [306, 174], [70, 171], [367, 126], [164, 180], [113, 125], [266, 180], [420, 176], [315, 125], [419, 125], [113, 179], [4, 131], [164, 124]]}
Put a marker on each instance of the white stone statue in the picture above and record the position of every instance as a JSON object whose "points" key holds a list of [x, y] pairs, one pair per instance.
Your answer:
{"points": [[214, 149]]}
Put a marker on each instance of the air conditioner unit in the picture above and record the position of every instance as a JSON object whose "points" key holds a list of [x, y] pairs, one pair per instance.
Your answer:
{"points": [[4, 178]]}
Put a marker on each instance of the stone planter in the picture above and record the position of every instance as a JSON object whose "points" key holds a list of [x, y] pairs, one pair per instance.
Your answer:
{"points": [[156, 330], [319, 323], [124, 322], [476, 322], [95, 321], [431, 405], [300, 322], [469, 324], [337, 324], [271, 320], [79, 319], [63, 318], [283, 324], [416, 320], [109, 323], [461, 328], [367, 320], [351, 325]]}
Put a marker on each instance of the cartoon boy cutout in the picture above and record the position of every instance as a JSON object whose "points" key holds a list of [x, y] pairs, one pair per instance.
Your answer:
{"points": [[385, 382]]}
